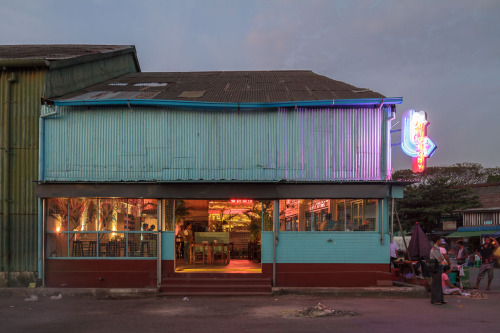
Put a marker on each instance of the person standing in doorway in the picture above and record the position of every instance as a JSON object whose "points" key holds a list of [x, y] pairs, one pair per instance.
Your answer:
{"points": [[485, 251], [188, 239]]}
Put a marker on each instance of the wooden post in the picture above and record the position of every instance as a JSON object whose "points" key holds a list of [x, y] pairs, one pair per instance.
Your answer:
{"points": [[407, 252]]}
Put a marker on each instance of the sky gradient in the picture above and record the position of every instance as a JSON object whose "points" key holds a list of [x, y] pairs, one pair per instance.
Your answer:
{"points": [[442, 57]]}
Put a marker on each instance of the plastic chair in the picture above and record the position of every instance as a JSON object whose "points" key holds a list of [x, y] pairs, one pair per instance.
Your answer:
{"points": [[477, 263], [396, 274]]}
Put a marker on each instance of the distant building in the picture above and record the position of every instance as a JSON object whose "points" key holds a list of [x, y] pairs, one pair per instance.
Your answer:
{"points": [[484, 220], [30, 74], [285, 177]]}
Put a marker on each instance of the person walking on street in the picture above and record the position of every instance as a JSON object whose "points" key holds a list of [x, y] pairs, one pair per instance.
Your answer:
{"points": [[437, 297], [485, 251]]}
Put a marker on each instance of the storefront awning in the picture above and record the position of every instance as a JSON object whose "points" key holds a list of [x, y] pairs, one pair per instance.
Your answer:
{"points": [[459, 234], [476, 231]]}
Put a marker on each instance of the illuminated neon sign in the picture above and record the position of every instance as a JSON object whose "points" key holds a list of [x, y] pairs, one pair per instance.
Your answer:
{"points": [[241, 201], [414, 139]]}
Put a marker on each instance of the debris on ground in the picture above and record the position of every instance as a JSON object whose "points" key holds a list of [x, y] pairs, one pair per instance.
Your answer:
{"points": [[56, 297], [477, 294], [186, 299], [32, 298], [322, 310]]}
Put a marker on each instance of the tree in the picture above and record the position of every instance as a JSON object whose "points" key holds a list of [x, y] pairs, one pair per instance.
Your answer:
{"points": [[457, 174], [429, 201]]}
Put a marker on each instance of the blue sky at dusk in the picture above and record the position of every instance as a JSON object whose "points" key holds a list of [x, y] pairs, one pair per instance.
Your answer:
{"points": [[442, 57]]}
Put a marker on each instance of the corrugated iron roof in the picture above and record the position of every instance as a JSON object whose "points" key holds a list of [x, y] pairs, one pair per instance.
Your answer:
{"points": [[225, 87], [48, 54]]}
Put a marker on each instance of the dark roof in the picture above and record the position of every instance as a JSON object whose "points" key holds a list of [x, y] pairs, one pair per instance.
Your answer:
{"points": [[60, 55], [224, 87]]}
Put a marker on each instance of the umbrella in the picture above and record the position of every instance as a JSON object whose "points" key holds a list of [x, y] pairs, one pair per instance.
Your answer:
{"points": [[419, 246]]}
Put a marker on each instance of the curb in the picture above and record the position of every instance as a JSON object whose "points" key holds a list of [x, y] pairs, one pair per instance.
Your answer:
{"points": [[409, 291], [400, 290], [94, 292]]}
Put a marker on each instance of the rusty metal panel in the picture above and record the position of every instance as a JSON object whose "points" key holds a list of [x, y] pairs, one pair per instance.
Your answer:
{"points": [[158, 144]]}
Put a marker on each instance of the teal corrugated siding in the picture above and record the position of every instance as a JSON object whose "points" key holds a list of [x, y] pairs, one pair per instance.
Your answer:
{"points": [[157, 144], [167, 245], [267, 247], [345, 247]]}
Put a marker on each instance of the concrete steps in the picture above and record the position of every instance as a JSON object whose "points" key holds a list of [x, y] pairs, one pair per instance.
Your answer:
{"points": [[222, 286]]}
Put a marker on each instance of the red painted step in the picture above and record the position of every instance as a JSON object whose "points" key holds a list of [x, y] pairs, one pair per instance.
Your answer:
{"points": [[215, 286]]}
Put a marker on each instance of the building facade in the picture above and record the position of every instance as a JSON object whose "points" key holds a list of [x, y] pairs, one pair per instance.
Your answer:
{"points": [[281, 175], [30, 73], [484, 220]]}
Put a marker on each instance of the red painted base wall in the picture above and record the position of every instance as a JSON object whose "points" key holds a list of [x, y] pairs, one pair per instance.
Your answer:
{"points": [[142, 273], [313, 275], [331, 275], [100, 273]]}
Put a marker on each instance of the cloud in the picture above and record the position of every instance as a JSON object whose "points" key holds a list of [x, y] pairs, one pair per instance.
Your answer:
{"points": [[440, 56]]}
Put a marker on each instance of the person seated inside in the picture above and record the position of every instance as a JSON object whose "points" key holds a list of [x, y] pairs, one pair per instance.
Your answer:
{"points": [[448, 288]]}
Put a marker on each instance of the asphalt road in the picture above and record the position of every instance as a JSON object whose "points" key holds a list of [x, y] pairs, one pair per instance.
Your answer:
{"points": [[248, 314]]}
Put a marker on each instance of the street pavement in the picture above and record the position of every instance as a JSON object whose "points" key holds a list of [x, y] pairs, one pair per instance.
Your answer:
{"points": [[248, 314], [109, 312]]}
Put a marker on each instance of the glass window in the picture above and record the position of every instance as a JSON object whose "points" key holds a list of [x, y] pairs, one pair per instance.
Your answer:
{"points": [[82, 222], [168, 214], [57, 227], [107, 227], [267, 215], [328, 215]]}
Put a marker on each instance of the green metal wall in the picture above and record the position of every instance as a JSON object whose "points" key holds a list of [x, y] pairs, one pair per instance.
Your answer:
{"points": [[23, 111], [67, 79], [27, 88]]}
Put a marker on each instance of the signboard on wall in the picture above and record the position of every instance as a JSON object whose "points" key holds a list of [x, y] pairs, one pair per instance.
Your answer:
{"points": [[414, 139], [450, 225]]}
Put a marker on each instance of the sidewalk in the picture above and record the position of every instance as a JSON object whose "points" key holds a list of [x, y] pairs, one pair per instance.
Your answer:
{"points": [[495, 283], [398, 290]]}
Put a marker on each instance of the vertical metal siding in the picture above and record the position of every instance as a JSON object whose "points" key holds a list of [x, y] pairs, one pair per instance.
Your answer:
{"points": [[26, 93], [67, 79], [156, 144], [24, 112], [477, 219], [330, 144]]}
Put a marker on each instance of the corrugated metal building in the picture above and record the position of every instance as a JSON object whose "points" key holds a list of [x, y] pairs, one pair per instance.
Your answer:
{"points": [[30, 73], [310, 153]]}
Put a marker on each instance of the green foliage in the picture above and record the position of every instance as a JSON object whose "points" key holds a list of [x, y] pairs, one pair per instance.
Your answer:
{"points": [[181, 211], [493, 178], [427, 202], [457, 174], [260, 216]]}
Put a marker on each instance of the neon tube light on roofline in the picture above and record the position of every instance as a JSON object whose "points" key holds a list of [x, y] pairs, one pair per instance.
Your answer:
{"points": [[414, 139]]}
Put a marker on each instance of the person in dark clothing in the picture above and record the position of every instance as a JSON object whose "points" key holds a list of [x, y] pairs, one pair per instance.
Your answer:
{"points": [[462, 253], [485, 251], [437, 297]]}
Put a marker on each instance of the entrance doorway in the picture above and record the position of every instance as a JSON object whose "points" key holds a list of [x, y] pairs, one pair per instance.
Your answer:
{"points": [[220, 235]]}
